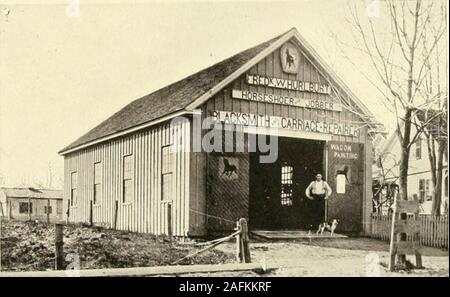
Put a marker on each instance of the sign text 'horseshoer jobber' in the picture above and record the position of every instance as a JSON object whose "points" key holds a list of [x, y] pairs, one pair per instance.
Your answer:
{"points": [[285, 100], [255, 120], [281, 83]]}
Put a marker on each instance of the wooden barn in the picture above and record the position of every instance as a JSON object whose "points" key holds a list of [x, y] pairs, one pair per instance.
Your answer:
{"points": [[150, 167]]}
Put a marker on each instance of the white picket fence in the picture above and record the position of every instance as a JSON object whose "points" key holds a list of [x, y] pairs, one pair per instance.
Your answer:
{"points": [[433, 230]]}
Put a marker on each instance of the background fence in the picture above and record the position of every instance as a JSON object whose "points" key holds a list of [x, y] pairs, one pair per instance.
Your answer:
{"points": [[433, 229]]}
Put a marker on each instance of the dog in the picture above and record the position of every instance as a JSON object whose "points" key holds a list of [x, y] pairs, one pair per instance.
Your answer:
{"points": [[228, 169], [326, 226]]}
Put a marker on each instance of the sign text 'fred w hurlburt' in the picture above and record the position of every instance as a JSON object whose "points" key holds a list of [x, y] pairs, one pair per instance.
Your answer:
{"points": [[288, 84]]}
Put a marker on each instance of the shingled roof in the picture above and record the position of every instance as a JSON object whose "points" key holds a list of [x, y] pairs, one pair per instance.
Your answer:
{"points": [[32, 193], [170, 99]]}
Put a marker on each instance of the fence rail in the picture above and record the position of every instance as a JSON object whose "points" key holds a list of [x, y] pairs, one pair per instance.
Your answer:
{"points": [[433, 229]]}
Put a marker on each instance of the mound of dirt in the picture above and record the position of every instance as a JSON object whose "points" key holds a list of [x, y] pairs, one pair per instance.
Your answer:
{"points": [[27, 246]]}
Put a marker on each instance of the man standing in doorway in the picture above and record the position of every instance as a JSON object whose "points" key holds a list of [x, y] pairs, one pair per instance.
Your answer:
{"points": [[318, 191]]}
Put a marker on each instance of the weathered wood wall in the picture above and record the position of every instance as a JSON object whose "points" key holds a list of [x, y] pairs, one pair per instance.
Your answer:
{"points": [[146, 212], [348, 206], [227, 198]]}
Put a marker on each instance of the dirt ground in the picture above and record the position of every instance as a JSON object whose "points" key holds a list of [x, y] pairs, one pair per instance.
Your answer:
{"points": [[29, 246], [336, 257]]}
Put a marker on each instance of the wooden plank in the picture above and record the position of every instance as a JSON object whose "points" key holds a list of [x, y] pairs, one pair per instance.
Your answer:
{"points": [[147, 271], [407, 206], [59, 252], [407, 247], [392, 246], [446, 231], [407, 226]]}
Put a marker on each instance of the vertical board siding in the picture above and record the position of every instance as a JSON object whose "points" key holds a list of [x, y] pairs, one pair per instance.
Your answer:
{"points": [[433, 229], [146, 212]]}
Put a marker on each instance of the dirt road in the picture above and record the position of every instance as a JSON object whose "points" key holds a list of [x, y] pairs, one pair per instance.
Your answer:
{"points": [[337, 257]]}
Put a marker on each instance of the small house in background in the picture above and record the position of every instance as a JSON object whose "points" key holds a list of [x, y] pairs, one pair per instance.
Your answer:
{"points": [[420, 186], [31, 204]]}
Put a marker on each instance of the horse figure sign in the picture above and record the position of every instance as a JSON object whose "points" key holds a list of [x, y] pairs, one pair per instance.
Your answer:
{"points": [[228, 169]]}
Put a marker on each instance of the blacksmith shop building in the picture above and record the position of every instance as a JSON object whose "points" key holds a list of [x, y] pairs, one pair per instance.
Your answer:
{"points": [[125, 173]]}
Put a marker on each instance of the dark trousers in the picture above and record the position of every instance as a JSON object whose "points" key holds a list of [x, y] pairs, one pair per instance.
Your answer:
{"points": [[317, 214]]}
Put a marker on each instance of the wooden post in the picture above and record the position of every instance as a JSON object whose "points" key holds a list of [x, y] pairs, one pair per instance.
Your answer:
{"points": [[238, 243], [48, 211], [392, 249], [68, 212], [29, 209], [245, 241], [169, 220], [401, 258], [9, 210], [59, 244], [91, 220], [1, 220], [115, 214], [405, 234]]}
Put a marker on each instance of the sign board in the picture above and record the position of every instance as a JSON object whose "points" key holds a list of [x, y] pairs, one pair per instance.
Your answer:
{"points": [[288, 84], [344, 151], [285, 100], [345, 175], [228, 168], [255, 120], [340, 183], [289, 58]]}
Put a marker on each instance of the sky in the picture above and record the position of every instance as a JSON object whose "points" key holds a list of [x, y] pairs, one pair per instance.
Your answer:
{"points": [[61, 73]]}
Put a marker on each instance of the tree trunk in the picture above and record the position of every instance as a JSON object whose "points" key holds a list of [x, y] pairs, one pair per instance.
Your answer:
{"points": [[403, 174], [404, 157], [403, 168], [437, 193]]}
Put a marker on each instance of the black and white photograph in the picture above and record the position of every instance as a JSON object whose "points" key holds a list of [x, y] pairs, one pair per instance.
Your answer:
{"points": [[257, 140]]}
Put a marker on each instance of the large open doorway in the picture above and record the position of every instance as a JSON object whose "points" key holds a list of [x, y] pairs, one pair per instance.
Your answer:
{"points": [[277, 190]]}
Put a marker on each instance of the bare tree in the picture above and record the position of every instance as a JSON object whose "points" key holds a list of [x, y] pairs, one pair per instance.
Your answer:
{"points": [[437, 141], [400, 56], [436, 129]]}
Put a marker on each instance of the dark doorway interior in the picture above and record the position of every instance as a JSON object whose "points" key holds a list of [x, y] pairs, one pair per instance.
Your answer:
{"points": [[277, 190]]}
